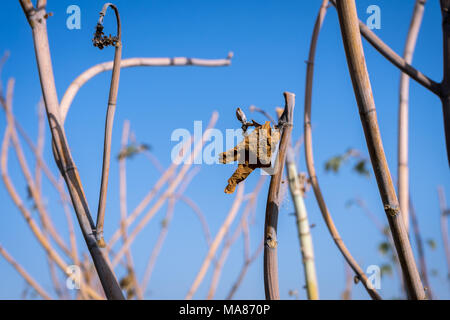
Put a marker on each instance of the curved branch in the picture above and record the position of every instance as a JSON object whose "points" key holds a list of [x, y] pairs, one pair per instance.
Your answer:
{"points": [[61, 150], [348, 21], [29, 279], [310, 160], [217, 240], [112, 101], [73, 88]]}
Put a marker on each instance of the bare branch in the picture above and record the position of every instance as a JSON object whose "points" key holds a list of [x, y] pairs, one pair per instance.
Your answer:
{"points": [[348, 21], [402, 165], [112, 101], [273, 202], [28, 278], [310, 161], [72, 90], [217, 240]]}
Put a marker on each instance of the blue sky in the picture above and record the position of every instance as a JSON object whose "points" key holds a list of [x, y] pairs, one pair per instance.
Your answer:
{"points": [[270, 41]]}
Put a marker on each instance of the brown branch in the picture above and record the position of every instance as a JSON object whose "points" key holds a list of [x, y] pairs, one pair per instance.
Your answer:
{"points": [[310, 161], [348, 21], [50, 251], [445, 90], [151, 193], [72, 90], [164, 229], [243, 271], [112, 102], [444, 229], [61, 149], [123, 209], [273, 202], [396, 60], [28, 278], [241, 228], [170, 190], [420, 250], [217, 240], [402, 166]]}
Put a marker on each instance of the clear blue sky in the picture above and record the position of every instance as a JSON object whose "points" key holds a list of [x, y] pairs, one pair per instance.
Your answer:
{"points": [[270, 40]]}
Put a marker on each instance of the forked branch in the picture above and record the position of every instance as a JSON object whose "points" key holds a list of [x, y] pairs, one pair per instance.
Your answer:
{"points": [[310, 161], [349, 24]]}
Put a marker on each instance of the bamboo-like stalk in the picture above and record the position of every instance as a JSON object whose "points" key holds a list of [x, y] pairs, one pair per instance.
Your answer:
{"points": [[273, 202], [170, 191], [28, 278], [50, 251], [304, 234], [41, 165], [397, 60], [123, 208], [420, 251], [164, 229], [36, 196], [310, 160], [445, 213], [402, 164], [348, 21], [112, 102], [38, 23], [84, 77], [216, 242]]}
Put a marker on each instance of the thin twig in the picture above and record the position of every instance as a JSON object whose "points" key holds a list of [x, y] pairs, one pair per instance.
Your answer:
{"points": [[244, 269], [241, 228], [28, 278], [402, 165], [420, 250], [112, 102], [164, 229], [72, 90], [61, 150], [395, 59], [445, 213], [217, 240], [170, 190], [273, 203]]}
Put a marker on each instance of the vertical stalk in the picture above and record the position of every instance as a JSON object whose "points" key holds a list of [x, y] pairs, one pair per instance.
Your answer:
{"points": [[351, 37], [112, 101], [444, 229], [61, 150], [273, 202], [402, 166], [420, 250], [304, 234]]}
